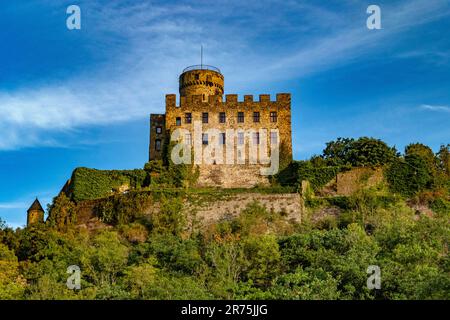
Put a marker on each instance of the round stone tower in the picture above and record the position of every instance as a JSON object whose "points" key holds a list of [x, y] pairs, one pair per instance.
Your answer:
{"points": [[201, 80]]}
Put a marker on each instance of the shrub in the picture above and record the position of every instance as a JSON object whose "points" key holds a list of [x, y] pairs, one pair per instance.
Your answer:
{"points": [[361, 152], [409, 175]]}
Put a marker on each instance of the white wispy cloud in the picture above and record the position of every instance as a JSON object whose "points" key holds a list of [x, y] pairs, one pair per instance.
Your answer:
{"points": [[160, 39], [435, 108], [13, 205]]}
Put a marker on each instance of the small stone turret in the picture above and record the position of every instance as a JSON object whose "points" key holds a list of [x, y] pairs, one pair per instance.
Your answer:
{"points": [[201, 80], [35, 214]]}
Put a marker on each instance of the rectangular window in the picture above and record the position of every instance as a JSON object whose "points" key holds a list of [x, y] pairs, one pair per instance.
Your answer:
{"points": [[204, 138], [273, 116], [188, 139], [222, 117], [240, 138], [256, 116], [205, 117], [273, 138], [188, 117], [222, 138], [240, 117], [255, 138], [178, 121], [158, 130], [158, 145]]}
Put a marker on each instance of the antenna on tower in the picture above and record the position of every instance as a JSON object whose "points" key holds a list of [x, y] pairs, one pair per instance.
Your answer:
{"points": [[201, 57]]}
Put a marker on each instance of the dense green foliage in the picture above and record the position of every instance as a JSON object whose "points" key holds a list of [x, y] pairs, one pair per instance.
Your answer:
{"points": [[257, 255], [87, 184], [418, 170], [401, 225], [299, 171], [409, 175], [361, 152]]}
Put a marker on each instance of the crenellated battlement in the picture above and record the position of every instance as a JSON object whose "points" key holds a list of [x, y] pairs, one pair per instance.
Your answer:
{"points": [[202, 105], [282, 99]]}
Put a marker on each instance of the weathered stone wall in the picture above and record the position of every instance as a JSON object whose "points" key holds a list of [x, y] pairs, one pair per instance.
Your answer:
{"points": [[201, 82], [207, 209], [230, 176], [356, 179], [250, 171], [35, 216], [289, 203], [157, 120]]}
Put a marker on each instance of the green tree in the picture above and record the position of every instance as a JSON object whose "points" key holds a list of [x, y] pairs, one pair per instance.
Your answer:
{"points": [[424, 152], [409, 175], [444, 159], [106, 258], [337, 152], [12, 284], [170, 219], [361, 152], [314, 284], [262, 259], [62, 212], [370, 152]]}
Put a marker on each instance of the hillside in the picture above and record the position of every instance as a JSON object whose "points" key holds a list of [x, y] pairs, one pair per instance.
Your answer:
{"points": [[311, 234]]}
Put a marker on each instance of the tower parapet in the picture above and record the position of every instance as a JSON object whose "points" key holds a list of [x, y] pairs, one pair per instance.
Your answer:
{"points": [[201, 80]]}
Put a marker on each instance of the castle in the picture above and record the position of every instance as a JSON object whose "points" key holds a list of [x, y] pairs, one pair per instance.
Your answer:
{"points": [[242, 139], [241, 124]]}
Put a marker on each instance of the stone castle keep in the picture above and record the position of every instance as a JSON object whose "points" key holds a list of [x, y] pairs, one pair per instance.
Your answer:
{"points": [[201, 91], [238, 126]]}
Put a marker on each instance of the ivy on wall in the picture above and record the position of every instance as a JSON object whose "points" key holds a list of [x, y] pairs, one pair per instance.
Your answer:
{"points": [[89, 184], [318, 177]]}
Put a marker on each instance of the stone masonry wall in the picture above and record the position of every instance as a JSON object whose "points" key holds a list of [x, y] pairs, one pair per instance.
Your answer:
{"points": [[290, 203], [245, 175], [208, 211]]}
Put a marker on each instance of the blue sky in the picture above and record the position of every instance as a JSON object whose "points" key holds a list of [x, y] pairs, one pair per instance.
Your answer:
{"points": [[72, 98]]}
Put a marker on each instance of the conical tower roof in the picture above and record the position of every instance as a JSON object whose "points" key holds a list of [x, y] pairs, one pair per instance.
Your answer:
{"points": [[36, 206]]}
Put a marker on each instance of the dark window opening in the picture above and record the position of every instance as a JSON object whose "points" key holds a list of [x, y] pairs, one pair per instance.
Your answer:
{"points": [[273, 116], [158, 145], [255, 116], [240, 118], [204, 138], [197, 76], [178, 121], [205, 117], [222, 117], [188, 117]]}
